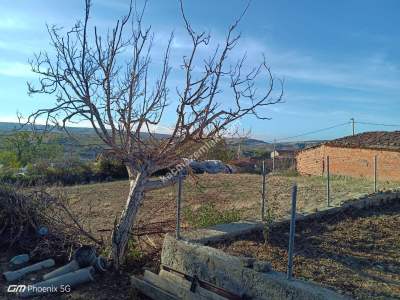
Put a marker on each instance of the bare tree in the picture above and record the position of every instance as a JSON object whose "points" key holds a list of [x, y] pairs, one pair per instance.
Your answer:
{"points": [[93, 81]]}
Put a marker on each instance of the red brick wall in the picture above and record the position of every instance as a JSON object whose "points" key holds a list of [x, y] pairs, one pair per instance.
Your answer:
{"points": [[353, 162]]}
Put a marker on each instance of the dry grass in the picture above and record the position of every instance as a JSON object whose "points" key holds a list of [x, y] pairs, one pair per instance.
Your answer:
{"points": [[356, 253], [99, 204]]}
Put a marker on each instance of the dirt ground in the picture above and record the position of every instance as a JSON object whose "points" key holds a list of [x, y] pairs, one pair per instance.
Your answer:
{"points": [[108, 286], [98, 205], [356, 253], [105, 287]]}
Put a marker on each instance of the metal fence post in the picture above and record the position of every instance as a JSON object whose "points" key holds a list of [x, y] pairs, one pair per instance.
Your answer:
{"points": [[292, 233], [328, 183], [273, 157], [375, 172], [263, 192], [178, 207]]}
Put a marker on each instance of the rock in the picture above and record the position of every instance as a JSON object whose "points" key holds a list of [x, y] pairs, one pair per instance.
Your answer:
{"points": [[226, 271], [19, 260]]}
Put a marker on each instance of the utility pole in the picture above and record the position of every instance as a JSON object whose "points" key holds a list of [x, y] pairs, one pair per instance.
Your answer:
{"points": [[273, 156], [292, 233], [352, 121]]}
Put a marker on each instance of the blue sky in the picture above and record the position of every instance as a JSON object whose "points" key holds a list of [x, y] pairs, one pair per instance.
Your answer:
{"points": [[339, 59]]}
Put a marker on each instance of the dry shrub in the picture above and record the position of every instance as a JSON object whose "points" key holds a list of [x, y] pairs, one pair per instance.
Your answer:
{"points": [[39, 223]]}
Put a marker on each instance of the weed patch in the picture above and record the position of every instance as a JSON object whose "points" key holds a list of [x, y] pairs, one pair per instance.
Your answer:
{"points": [[208, 215]]}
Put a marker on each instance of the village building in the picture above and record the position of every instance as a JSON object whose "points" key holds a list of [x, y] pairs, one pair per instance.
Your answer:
{"points": [[355, 156]]}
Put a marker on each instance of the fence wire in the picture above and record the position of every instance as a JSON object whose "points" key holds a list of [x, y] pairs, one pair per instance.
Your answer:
{"points": [[223, 198]]}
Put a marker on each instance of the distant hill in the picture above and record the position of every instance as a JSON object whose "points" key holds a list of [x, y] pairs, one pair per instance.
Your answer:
{"points": [[87, 145], [7, 127], [249, 144]]}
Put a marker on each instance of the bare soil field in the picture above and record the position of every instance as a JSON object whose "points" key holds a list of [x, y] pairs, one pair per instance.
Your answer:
{"points": [[356, 253], [97, 205]]}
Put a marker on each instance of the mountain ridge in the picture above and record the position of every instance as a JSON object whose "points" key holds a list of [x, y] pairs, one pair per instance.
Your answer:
{"points": [[245, 143]]}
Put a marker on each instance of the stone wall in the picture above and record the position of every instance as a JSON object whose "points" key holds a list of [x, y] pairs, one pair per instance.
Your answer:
{"points": [[353, 162], [245, 278]]}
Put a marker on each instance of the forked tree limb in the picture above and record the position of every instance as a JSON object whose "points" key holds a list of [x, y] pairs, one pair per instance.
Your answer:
{"points": [[104, 79]]}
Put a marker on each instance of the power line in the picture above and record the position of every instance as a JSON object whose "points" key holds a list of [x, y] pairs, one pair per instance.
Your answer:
{"points": [[312, 132], [336, 126], [378, 124], [276, 140]]}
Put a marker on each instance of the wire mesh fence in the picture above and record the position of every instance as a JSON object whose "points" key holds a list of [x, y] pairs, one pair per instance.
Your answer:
{"points": [[225, 197], [209, 199]]}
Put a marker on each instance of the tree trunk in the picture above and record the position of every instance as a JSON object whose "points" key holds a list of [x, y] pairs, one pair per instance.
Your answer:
{"points": [[121, 231]]}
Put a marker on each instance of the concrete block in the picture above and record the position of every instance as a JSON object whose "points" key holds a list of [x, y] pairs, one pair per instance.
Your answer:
{"points": [[151, 290], [226, 271]]}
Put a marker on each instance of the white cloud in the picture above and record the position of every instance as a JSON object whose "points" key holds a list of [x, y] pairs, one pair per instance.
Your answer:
{"points": [[23, 47], [15, 69], [343, 76], [370, 73], [361, 73], [13, 23], [179, 43], [11, 119]]}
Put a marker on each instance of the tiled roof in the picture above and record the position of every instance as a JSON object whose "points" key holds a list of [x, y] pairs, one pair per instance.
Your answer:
{"points": [[389, 140]]}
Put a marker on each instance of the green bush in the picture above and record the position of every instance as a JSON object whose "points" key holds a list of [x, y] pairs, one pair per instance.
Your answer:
{"points": [[9, 160], [72, 172], [208, 215], [292, 172], [109, 167], [68, 172], [30, 148], [220, 151]]}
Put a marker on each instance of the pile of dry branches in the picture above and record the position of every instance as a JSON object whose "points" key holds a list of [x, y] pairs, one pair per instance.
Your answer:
{"points": [[39, 223]]}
